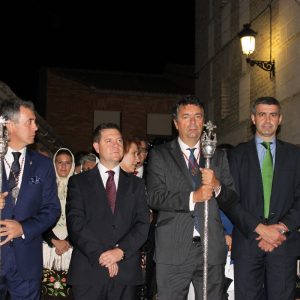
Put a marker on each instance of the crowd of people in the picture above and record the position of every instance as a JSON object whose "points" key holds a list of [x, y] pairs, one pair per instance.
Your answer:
{"points": [[127, 223]]}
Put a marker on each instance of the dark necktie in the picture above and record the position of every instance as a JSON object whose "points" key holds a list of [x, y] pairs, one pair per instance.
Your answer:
{"points": [[267, 177], [194, 168], [111, 190], [195, 175], [13, 178]]}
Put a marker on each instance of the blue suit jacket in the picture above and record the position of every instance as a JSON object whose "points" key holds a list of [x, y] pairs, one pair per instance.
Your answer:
{"points": [[37, 208]]}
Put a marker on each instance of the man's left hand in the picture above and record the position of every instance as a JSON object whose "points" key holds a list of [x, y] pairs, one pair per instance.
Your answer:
{"points": [[209, 178], [110, 257], [11, 229]]}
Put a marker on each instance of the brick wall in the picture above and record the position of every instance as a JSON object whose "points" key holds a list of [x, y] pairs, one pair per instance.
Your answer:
{"points": [[71, 105]]}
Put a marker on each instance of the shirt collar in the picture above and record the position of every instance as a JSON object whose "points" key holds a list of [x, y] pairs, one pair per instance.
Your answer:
{"points": [[103, 169], [9, 156], [259, 140], [184, 146]]}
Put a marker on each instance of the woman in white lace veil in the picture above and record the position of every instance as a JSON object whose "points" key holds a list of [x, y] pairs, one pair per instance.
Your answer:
{"points": [[57, 249]]}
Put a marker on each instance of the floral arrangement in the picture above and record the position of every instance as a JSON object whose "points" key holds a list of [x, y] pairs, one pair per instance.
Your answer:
{"points": [[55, 283]]}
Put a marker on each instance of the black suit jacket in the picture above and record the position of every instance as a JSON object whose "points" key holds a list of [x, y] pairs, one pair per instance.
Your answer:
{"points": [[285, 197], [169, 186], [93, 228]]}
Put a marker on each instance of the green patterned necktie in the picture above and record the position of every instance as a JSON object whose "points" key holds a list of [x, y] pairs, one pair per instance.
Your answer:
{"points": [[267, 177]]}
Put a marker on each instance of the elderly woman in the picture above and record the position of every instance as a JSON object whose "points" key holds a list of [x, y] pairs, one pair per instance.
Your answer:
{"points": [[57, 250]]}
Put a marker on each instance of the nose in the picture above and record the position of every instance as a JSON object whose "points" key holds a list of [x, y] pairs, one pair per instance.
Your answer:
{"points": [[34, 126], [268, 117], [192, 120], [115, 144]]}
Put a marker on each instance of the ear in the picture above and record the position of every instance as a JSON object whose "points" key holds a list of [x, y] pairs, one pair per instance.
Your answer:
{"points": [[9, 124], [253, 119], [175, 123], [96, 147], [280, 119]]}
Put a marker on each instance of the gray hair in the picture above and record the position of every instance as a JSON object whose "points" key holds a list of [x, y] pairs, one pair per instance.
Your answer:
{"points": [[10, 109]]}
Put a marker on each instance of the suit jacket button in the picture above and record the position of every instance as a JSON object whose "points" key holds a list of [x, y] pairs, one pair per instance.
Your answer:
{"points": [[114, 227]]}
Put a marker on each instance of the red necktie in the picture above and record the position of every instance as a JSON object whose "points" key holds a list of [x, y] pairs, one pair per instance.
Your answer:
{"points": [[111, 190]]}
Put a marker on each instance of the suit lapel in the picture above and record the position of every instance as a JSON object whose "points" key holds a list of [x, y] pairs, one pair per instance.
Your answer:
{"points": [[253, 157], [178, 157], [98, 191], [256, 175], [123, 185], [28, 172]]}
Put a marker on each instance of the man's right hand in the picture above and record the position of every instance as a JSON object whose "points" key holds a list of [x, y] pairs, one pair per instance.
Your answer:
{"points": [[203, 193], [271, 234]]}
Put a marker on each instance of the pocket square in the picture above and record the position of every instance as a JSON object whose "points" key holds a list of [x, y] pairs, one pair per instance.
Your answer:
{"points": [[35, 180]]}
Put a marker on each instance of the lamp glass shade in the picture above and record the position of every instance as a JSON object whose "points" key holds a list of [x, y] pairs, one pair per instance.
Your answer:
{"points": [[248, 44]]}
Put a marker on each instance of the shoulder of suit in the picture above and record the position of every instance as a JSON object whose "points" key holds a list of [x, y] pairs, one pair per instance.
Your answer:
{"points": [[166, 146], [89, 173], [242, 146], [34, 155], [293, 147]]}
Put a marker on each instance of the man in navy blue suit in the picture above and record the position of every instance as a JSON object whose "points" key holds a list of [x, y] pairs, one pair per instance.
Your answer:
{"points": [[266, 239], [31, 205]]}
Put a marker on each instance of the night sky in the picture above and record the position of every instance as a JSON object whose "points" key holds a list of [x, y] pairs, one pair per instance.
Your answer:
{"points": [[120, 36]]}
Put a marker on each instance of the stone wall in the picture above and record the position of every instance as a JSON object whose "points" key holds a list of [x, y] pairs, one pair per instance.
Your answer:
{"points": [[225, 80]]}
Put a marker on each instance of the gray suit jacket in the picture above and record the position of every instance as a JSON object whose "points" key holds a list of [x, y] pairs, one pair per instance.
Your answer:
{"points": [[169, 186]]}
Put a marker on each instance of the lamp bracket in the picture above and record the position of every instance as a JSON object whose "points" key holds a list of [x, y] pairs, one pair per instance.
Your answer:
{"points": [[265, 65]]}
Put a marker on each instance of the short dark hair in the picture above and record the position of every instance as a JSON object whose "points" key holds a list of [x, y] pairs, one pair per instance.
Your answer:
{"points": [[10, 109], [188, 99], [265, 100], [99, 128]]}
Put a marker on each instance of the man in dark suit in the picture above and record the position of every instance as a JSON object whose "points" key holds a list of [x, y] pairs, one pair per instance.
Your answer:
{"points": [[173, 192], [31, 205], [106, 228], [266, 238]]}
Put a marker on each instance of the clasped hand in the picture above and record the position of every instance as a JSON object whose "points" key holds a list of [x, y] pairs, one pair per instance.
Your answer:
{"points": [[109, 260], [209, 182], [270, 236], [61, 246]]}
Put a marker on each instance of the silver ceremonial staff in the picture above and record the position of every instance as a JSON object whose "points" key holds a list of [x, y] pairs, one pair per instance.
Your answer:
{"points": [[3, 149], [208, 146]]}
